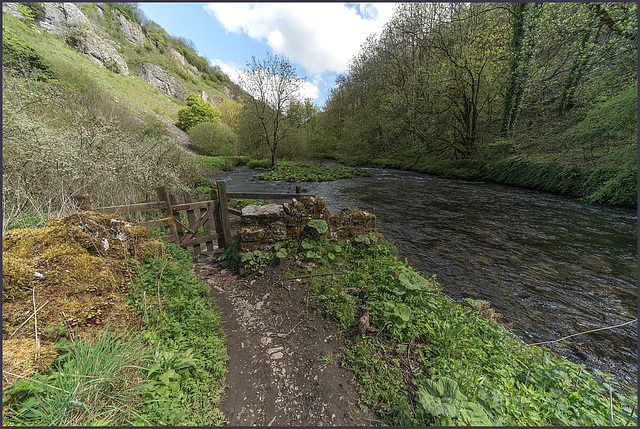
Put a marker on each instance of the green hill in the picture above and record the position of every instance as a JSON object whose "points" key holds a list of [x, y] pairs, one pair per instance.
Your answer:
{"points": [[91, 93]]}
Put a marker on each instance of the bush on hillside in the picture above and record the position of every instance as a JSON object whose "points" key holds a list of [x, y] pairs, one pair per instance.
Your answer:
{"points": [[197, 112], [214, 139], [21, 57]]}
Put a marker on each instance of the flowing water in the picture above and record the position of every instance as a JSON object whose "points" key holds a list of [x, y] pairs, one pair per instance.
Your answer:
{"points": [[551, 265]]}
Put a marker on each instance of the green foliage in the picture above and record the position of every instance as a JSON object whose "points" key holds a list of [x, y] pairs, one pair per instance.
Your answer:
{"points": [[606, 124], [254, 262], [292, 171], [259, 164], [240, 203], [232, 254], [435, 107], [94, 382], [213, 139], [465, 369], [112, 66], [21, 57], [197, 112], [443, 401], [185, 378], [215, 164]]}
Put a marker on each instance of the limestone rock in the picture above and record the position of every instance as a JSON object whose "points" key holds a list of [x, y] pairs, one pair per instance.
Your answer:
{"points": [[60, 17], [102, 53], [12, 9], [206, 98], [173, 54], [163, 80], [132, 31]]}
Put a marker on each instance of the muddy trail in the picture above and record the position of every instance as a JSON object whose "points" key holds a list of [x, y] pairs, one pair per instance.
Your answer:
{"points": [[285, 363]]}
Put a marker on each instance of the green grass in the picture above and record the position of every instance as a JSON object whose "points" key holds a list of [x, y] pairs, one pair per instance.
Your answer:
{"points": [[186, 332], [294, 171], [433, 362], [97, 382], [172, 373], [217, 164]]}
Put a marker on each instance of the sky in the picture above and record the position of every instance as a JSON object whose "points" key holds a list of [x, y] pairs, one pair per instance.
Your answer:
{"points": [[318, 38]]}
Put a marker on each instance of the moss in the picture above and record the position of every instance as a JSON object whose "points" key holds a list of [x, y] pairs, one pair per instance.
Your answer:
{"points": [[17, 277], [82, 258]]}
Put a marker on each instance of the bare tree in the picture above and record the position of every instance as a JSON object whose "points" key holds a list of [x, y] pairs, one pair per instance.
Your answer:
{"points": [[273, 85]]}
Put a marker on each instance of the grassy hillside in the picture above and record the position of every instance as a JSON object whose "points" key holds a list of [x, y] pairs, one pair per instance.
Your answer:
{"points": [[72, 125]]}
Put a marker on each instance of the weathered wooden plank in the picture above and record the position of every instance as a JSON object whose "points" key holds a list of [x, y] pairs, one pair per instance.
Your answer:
{"points": [[235, 211], [265, 195], [192, 216], [191, 206], [193, 228], [224, 232], [176, 218], [198, 240], [164, 196], [207, 225], [132, 208]]}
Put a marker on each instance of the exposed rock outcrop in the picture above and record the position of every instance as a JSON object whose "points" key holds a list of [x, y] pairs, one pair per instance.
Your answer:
{"points": [[132, 31], [163, 80], [100, 51], [177, 56], [206, 98], [12, 9], [66, 19], [61, 17]]}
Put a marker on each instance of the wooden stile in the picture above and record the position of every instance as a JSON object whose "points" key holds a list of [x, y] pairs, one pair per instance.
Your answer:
{"points": [[211, 215]]}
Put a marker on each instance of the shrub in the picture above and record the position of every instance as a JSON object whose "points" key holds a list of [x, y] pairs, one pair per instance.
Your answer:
{"points": [[23, 58], [197, 112], [214, 139]]}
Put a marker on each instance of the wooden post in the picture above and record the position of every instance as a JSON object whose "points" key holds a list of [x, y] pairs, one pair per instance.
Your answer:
{"points": [[168, 213], [208, 223], [193, 216], [84, 202], [223, 226], [298, 189], [176, 216]]}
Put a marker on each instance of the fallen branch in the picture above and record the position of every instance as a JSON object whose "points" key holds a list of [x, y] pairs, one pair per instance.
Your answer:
{"points": [[582, 333], [293, 328], [35, 381], [35, 324], [25, 322]]}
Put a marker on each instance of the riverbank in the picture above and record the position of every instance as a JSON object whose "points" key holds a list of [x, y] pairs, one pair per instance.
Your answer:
{"points": [[612, 181], [421, 359], [417, 357]]}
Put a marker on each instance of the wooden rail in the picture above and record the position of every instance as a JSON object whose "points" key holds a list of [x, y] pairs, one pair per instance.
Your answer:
{"points": [[191, 223]]}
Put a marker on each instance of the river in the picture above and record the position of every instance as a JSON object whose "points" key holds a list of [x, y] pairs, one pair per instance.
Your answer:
{"points": [[553, 266]]}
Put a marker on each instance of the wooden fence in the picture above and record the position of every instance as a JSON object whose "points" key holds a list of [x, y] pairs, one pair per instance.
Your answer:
{"points": [[212, 215]]}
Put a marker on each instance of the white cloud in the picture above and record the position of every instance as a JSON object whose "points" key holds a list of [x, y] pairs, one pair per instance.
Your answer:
{"points": [[321, 37], [230, 68]]}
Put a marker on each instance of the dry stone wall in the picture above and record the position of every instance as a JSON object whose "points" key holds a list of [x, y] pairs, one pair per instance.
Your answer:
{"points": [[262, 226]]}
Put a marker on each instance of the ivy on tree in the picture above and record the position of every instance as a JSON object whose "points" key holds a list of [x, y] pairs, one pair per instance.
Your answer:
{"points": [[197, 112]]}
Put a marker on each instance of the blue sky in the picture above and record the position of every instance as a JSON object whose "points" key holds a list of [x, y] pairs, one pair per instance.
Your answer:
{"points": [[318, 38]]}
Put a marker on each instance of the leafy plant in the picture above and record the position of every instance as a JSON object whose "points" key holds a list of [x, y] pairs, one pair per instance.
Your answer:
{"points": [[253, 262], [443, 401], [292, 171], [197, 112]]}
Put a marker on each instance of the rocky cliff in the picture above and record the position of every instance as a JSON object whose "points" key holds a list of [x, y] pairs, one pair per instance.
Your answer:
{"points": [[113, 37]]}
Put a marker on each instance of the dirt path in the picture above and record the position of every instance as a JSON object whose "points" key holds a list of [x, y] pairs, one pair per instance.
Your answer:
{"points": [[285, 363]]}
